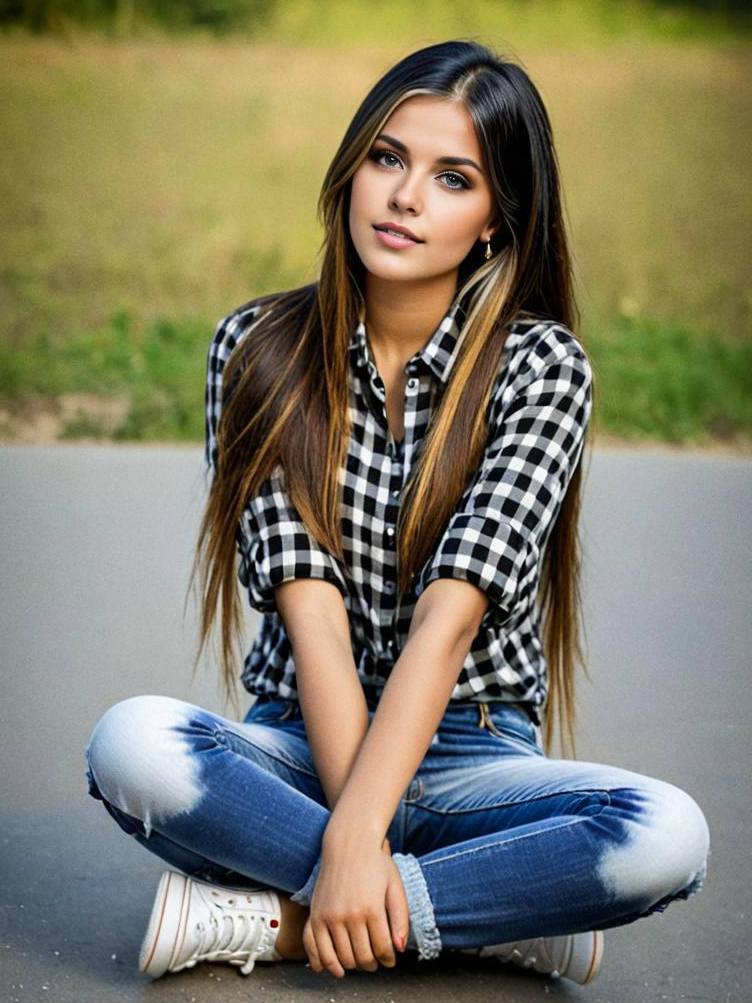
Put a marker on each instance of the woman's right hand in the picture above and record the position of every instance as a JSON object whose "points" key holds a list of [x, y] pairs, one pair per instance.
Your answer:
{"points": [[358, 911]]}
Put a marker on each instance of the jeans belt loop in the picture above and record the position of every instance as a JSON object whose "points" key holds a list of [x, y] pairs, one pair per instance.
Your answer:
{"points": [[486, 722]]}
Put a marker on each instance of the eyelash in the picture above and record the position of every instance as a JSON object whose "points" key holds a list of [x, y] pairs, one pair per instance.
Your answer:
{"points": [[376, 155]]}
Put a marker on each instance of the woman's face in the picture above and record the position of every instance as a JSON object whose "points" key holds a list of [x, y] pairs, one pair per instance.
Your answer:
{"points": [[447, 206]]}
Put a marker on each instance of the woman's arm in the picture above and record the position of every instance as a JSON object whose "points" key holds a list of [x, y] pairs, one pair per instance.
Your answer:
{"points": [[331, 696], [336, 718], [359, 907], [410, 709]]}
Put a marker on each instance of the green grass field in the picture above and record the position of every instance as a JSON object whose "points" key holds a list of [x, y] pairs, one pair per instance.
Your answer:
{"points": [[151, 185]]}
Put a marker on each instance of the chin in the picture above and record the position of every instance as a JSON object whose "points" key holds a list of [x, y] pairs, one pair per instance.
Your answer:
{"points": [[396, 274]]}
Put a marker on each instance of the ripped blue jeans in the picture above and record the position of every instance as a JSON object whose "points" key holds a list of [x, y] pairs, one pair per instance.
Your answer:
{"points": [[494, 841]]}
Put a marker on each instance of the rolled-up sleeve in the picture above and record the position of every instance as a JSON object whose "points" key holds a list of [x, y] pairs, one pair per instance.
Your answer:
{"points": [[495, 537], [276, 547], [273, 543]]}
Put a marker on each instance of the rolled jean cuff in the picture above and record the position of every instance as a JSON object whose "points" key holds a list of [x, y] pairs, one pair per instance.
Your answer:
{"points": [[424, 934], [305, 894]]}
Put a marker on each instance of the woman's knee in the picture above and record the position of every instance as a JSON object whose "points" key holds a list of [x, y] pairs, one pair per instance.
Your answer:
{"points": [[140, 760], [663, 845]]}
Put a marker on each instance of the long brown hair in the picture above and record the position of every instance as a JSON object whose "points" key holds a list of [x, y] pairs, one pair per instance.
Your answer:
{"points": [[289, 378]]}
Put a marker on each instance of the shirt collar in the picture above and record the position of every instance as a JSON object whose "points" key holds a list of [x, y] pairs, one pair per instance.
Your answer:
{"points": [[439, 353]]}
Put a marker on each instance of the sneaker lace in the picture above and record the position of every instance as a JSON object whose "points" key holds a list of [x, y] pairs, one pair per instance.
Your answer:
{"points": [[527, 953], [236, 937], [535, 954]]}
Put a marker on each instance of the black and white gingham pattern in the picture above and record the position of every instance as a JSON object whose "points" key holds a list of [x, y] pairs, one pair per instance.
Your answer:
{"points": [[539, 410]]}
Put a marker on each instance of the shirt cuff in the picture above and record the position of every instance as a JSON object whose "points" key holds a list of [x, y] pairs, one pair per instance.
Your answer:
{"points": [[489, 554], [267, 565]]}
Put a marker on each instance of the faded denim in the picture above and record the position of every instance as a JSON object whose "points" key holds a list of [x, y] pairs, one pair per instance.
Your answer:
{"points": [[494, 841]]}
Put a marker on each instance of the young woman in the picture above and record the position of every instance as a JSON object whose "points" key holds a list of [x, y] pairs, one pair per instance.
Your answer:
{"points": [[395, 451]]}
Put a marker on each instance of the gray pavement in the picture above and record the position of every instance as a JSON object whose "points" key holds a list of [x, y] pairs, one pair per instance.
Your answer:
{"points": [[96, 545]]}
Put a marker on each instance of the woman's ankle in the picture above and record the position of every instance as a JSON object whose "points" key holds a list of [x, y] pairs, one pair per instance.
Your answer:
{"points": [[290, 937]]}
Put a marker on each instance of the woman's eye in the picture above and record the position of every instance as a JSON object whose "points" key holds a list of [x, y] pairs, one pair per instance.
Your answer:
{"points": [[462, 182], [378, 155]]}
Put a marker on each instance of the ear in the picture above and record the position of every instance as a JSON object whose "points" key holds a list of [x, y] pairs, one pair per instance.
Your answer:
{"points": [[489, 230]]}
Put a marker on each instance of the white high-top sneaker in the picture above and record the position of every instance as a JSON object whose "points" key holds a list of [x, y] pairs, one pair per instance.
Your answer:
{"points": [[576, 956], [194, 921]]}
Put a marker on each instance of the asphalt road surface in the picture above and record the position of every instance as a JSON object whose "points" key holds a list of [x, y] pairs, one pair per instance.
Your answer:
{"points": [[96, 548]]}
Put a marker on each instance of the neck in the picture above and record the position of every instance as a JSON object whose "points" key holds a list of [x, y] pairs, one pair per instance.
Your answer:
{"points": [[400, 317]]}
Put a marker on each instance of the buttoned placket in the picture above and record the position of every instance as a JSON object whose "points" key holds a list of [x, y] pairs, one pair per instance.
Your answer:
{"points": [[390, 543], [389, 601], [376, 391], [389, 615]]}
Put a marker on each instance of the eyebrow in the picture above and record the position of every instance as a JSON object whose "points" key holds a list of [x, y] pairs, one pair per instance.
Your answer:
{"points": [[454, 161]]}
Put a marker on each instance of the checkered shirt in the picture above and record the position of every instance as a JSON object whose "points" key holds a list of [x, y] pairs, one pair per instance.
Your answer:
{"points": [[540, 407]]}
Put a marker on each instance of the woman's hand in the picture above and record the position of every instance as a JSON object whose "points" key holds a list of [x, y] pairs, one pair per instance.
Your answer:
{"points": [[358, 912]]}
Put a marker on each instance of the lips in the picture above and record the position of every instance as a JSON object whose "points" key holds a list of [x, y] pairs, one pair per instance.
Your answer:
{"points": [[401, 231]]}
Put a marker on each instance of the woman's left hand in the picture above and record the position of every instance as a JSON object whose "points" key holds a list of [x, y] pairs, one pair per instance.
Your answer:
{"points": [[358, 910]]}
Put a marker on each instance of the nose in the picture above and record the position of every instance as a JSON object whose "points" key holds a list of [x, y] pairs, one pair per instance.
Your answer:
{"points": [[405, 198]]}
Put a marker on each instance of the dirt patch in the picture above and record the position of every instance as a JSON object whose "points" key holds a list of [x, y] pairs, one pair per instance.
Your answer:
{"points": [[77, 418], [44, 420], [733, 446]]}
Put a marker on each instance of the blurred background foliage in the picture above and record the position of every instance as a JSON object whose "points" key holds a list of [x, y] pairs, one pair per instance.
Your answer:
{"points": [[222, 17], [162, 162]]}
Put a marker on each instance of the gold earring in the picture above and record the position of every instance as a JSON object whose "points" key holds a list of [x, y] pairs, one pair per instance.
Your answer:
{"points": [[488, 250]]}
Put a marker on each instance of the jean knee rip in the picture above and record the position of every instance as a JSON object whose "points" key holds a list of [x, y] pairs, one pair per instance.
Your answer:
{"points": [[662, 854], [692, 888], [140, 762]]}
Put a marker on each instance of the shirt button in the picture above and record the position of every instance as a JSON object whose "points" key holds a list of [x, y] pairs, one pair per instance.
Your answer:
{"points": [[412, 383], [389, 587], [390, 530], [395, 493]]}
